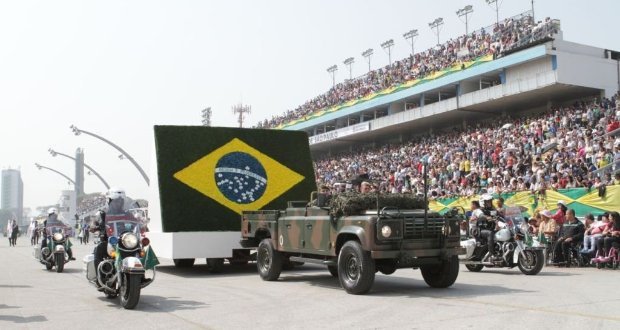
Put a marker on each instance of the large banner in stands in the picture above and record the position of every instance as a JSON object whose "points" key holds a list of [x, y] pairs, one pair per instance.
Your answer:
{"points": [[333, 135], [460, 66], [582, 200]]}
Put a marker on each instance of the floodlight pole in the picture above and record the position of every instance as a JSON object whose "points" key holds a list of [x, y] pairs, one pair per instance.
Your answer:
{"points": [[464, 13], [367, 54], [436, 24], [411, 35], [39, 166], [332, 70], [349, 61], [78, 131], [388, 44], [54, 153]]}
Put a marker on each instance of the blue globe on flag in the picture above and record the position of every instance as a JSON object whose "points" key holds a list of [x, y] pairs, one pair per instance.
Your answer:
{"points": [[240, 177]]}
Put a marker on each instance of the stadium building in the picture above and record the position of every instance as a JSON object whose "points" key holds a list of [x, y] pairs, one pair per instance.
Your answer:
{"points": [[535, 76]]}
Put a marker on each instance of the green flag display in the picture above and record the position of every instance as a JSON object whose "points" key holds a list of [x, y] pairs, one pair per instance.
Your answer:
{"points": [[209, 175], [150, 259]]}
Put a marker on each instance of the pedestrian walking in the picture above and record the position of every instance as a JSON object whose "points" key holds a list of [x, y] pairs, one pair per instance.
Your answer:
{"points": [[14, 232]]}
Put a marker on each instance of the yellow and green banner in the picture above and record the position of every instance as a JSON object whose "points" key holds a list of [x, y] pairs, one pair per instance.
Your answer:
{"points": [[582, 200], [459, 66]]}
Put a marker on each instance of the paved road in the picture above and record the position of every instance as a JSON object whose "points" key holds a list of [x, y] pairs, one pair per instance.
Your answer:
{"points": [[306, 298]]}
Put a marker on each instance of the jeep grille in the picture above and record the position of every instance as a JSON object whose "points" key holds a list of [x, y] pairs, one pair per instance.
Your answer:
{"points": [[414, 228]]}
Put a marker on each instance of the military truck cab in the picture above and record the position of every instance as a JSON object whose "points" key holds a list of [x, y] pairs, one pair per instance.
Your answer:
{"points": [[355, 241]]}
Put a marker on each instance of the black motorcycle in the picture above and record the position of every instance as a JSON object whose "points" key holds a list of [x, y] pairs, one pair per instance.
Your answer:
{"points": [[54, 252], [512, 246]]}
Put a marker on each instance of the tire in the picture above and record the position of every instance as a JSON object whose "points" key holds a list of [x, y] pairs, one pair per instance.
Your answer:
{"points": [[442, 275], [183, 263], [130, 291], [268, 261], [534, 263], [474, 268], [356, 269], [215, 265], [333, 270], [59, 259]]}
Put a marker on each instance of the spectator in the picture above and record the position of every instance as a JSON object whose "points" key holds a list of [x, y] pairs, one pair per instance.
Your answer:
{"points": [[570, 234]]}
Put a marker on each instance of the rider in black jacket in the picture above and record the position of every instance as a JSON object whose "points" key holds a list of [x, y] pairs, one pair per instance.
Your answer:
{"points": [[116, 201], [489, 222]]}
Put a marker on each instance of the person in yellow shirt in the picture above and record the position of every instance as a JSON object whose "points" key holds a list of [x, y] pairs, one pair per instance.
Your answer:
{"points": [[467, 166]]}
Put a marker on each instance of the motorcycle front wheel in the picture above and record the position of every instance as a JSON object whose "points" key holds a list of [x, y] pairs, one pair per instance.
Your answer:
{"points": [[60, 262], [533, 262], [130, 291], [474, 268]]}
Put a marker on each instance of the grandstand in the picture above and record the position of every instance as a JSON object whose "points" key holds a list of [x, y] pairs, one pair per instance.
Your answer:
{"points": [[554, 98]]}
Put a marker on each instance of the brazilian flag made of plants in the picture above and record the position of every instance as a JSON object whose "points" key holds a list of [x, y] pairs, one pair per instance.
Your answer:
{"points": [[209, 175]]}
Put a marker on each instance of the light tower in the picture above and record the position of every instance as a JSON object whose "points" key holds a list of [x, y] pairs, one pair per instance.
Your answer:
{"points": [[349, 61], [436, 24], [388, 44], [332, 70], [206, 117], [411, 35], [240, 111], [464, 13], [367, 54]]}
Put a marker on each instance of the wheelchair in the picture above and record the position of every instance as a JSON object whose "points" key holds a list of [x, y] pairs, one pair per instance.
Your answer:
{"points": [[575, 259], [611, 260]]}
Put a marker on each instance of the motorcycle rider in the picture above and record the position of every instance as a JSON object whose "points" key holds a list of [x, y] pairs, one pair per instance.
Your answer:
{"points": [[487, 222], [116, 201], [52, 220]]}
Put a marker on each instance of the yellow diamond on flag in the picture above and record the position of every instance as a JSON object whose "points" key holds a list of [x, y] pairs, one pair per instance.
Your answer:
{"points": [[239, 177]]}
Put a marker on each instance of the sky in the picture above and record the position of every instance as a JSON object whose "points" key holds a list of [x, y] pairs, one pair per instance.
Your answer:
{"points": [[116, 68]]}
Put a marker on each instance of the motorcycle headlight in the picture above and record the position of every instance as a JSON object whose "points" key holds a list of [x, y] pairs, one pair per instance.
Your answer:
{"points": [[57, 236], [386, 231], [130, 241]]}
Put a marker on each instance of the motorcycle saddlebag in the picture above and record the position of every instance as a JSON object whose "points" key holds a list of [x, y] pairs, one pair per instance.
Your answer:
{"points": [[88, 267]]}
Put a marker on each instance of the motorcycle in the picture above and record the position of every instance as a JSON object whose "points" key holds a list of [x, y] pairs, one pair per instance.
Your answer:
{"points": [[54, 253], [124, 272], [512, 246]]}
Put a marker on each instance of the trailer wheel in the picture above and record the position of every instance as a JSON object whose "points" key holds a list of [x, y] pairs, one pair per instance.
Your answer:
{"points": [[215, 265], [183, 263]]}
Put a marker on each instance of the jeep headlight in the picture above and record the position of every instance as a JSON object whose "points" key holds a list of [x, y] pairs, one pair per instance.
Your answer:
{"points": [[57, 236], [386, 231], [130, 241]]}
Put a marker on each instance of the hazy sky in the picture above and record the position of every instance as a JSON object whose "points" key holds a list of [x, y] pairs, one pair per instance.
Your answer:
{"points": [[116, 68]]}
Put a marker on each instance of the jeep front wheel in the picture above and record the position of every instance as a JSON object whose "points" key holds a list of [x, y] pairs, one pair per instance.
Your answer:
{"points": [[356, 269], [268, 261], [442, 275]]}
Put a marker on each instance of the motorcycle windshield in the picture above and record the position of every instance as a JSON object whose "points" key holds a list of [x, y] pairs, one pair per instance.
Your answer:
{"points": [[51, 230], [116, 228]]}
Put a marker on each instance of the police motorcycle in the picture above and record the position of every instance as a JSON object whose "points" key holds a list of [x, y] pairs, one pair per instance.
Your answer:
{"points": [[513, 244], [130, 259], [54, 253]]}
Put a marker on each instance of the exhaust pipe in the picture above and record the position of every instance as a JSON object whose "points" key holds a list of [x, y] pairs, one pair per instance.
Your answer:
{"points": [[106, 267]]}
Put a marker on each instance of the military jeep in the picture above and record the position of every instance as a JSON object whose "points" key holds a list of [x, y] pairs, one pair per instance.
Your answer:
{"points": [[355, 237]]}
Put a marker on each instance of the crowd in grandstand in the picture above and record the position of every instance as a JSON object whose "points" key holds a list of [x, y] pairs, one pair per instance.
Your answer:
{"points": [[91, 204], [510, 34], [560, 148]]}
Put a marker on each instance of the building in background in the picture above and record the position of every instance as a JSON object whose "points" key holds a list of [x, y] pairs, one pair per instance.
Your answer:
{"points": [[12, 195], [67, 207]]}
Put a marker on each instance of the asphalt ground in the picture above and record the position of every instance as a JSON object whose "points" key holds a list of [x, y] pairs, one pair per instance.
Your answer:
{"points": [[305, 298]]}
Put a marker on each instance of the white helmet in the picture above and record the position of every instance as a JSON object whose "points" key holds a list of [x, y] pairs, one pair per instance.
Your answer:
{"points": [[52, 210], [485, 197], [115, 193]]}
